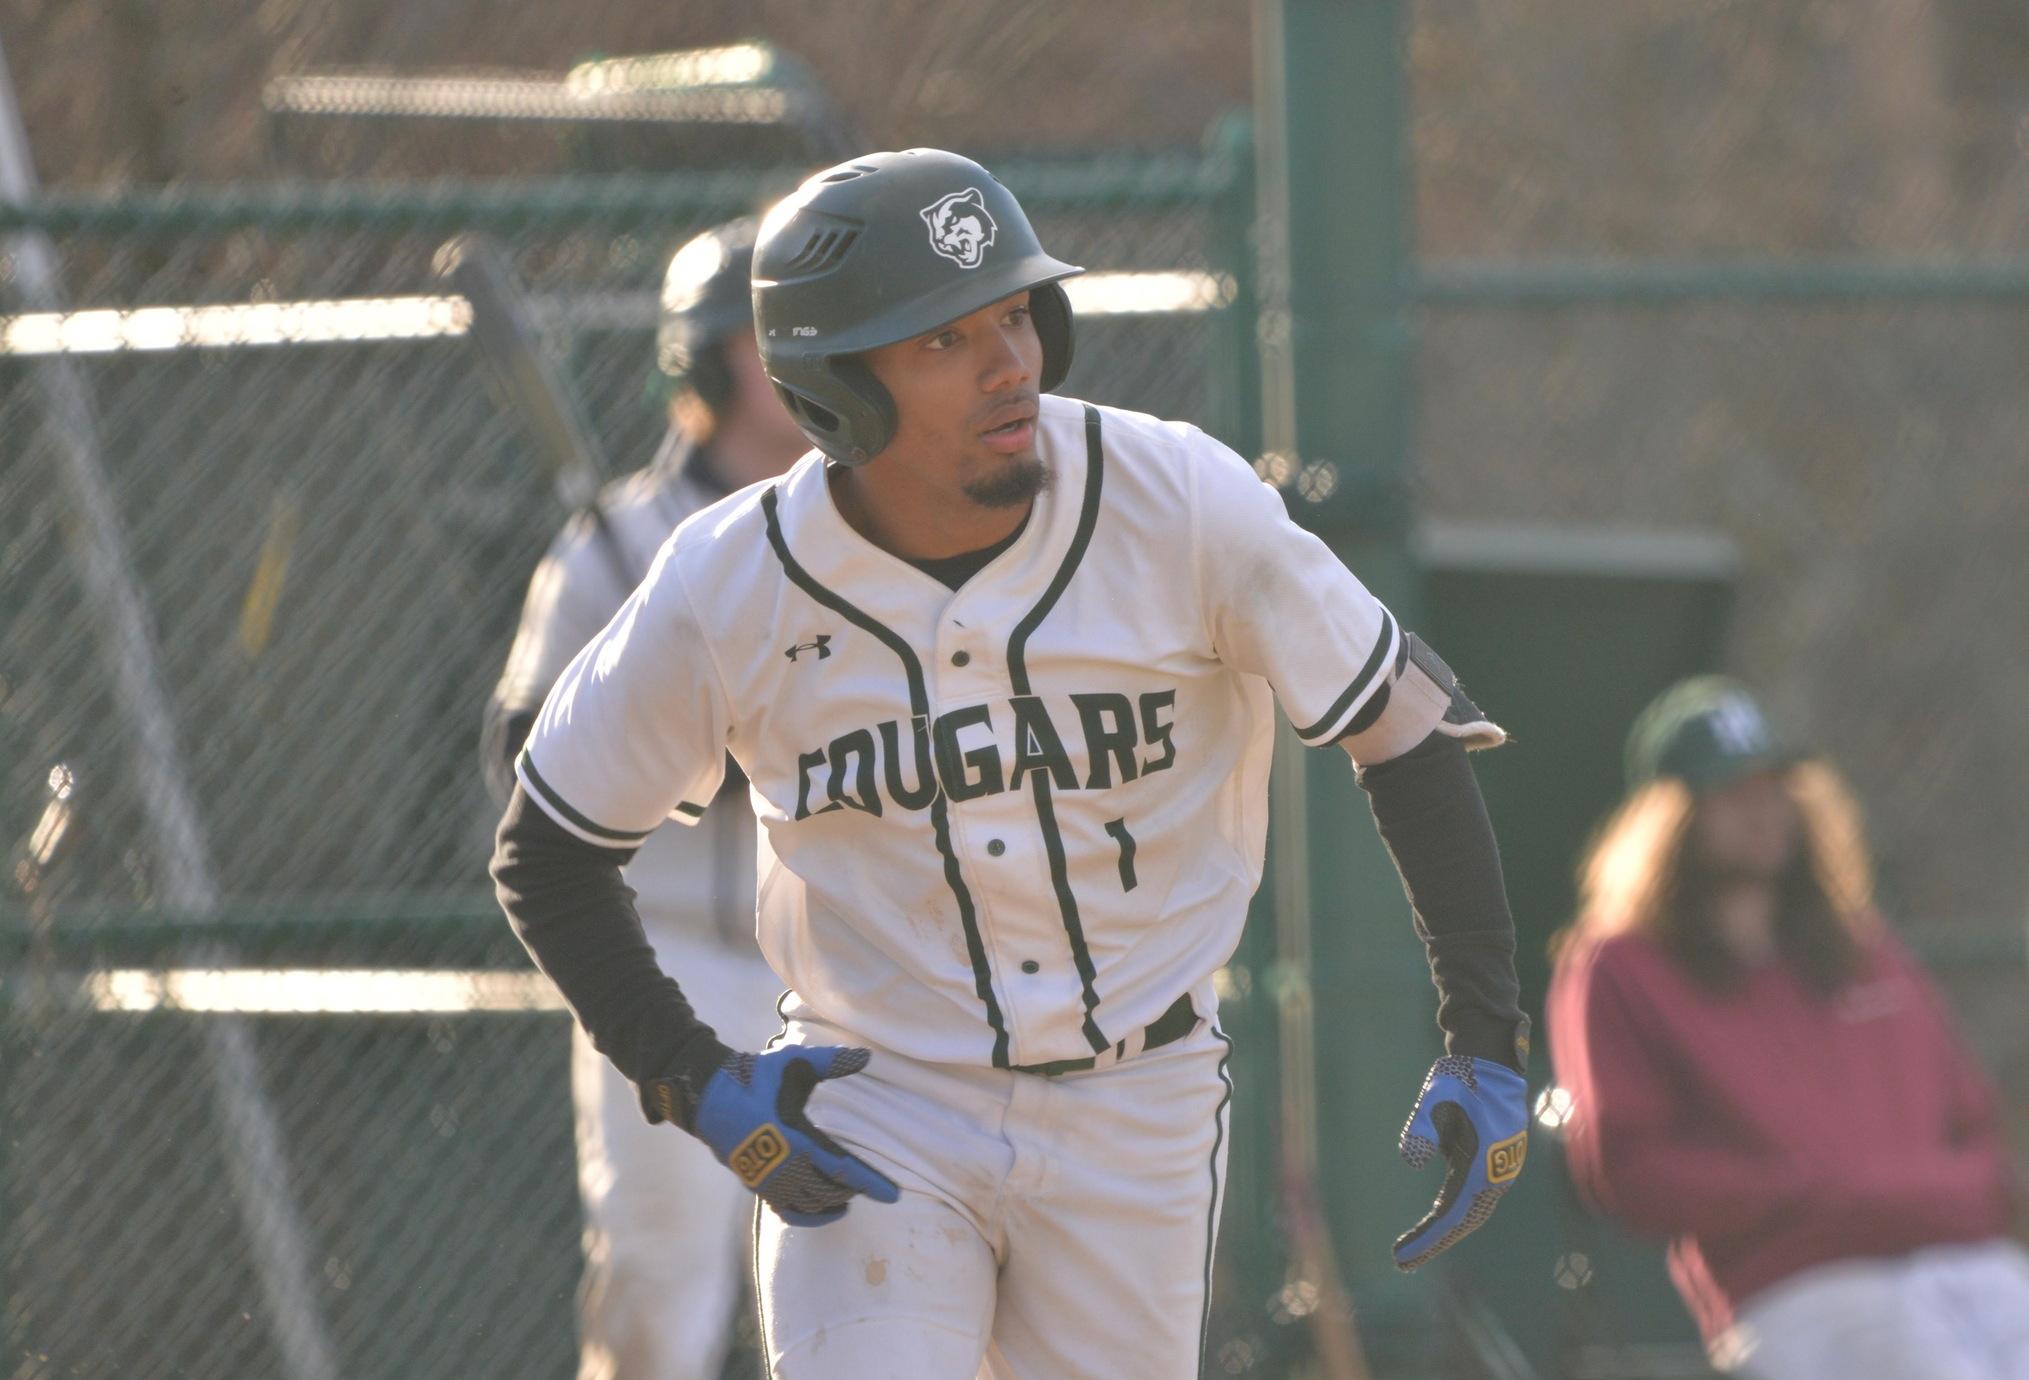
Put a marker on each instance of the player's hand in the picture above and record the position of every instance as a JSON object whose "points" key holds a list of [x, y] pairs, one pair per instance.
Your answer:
{"points": [[1475, 1113], [751, 1115]]}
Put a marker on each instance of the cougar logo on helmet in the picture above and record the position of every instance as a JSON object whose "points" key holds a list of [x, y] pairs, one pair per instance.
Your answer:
{"points": [[960, 228]]}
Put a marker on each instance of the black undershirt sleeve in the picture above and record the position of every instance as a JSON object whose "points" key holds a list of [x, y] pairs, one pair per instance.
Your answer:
{"points": [[568, 904], [1428, 807]]}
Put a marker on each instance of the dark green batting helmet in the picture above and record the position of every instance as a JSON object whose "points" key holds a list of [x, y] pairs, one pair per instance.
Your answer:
{"points": [[877, 250], [706, 298]]}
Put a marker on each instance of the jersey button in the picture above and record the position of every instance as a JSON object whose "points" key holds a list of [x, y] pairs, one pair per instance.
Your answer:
{"points": [[960, 658], [1029, 965], [995, 847]]}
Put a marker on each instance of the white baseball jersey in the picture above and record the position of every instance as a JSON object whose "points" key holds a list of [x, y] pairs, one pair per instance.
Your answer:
{"points": [[1006, 824]]}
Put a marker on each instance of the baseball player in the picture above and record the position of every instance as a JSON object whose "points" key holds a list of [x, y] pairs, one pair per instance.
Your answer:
{"points": [[1001, 669], [665, 1227]]}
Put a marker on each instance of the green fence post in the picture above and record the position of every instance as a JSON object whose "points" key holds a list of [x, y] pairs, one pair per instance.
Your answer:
{"points": [[1236, 362], [1336, 371], [1250, 1251]]}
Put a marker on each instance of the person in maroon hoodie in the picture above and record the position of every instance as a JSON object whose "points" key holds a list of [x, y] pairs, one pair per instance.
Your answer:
{"points": [[1761, 1075]]}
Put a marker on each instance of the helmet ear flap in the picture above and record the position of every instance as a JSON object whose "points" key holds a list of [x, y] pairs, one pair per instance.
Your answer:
{"points": [[856, 419], [874, 427], [1050, 309], [808, 414]]}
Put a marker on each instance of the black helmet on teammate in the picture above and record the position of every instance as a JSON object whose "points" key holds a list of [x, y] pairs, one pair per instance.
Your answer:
{"points": [[706, 298], [877, 250]]}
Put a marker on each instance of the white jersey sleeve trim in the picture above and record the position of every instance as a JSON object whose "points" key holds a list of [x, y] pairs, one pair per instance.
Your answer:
{"points": [[576, 822], [1383, 664], [1398, 717]]}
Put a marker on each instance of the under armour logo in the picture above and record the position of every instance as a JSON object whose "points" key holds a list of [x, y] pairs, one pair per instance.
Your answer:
{"points": [[822, 646]]}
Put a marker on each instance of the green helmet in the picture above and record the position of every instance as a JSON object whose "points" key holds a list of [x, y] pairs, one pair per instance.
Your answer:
{"points": [[877, 250], [705, 301]]}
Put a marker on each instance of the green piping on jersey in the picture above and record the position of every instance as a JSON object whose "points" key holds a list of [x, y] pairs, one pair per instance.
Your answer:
{"points": [[919, 708], [1377, 703], [1360, 682], [1018, 673], [1212, 1216], [619, 837]]}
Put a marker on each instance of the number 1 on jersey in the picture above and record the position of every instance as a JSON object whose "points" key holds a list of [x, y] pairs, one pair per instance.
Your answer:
{"points": [[1118, 829]]}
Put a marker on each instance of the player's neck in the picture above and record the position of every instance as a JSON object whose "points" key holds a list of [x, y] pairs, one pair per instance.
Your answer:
{"points": [[917, 522]]}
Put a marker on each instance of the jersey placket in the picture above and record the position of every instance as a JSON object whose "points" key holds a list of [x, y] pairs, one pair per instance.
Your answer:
{"points": [[995, 833], [1061, 886], [923, 709], [1023, 885], [1024, 810]]}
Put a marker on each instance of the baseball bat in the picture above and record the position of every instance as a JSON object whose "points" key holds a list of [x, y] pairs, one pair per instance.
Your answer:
{"points": [[503, 326]]}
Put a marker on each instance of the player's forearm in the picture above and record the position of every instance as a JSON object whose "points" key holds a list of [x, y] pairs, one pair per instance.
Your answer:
{"points": [[1428, 807], [567, 902]]}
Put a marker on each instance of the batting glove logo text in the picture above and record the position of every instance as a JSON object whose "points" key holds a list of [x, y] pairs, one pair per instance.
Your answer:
{"points": [[1504, 1158], [759, 1155]]}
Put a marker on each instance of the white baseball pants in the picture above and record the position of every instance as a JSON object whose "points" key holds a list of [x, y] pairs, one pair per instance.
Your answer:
{"points": [[667, 1227], [1945, 1313], [1048, 1228]]}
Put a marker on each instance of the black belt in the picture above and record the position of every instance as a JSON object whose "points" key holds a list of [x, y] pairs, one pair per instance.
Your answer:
{"points": [[1171, 1026]]}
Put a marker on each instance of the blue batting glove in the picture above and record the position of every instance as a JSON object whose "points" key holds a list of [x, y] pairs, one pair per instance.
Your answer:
{"points": [[1475, 1113], [751, 1115]]}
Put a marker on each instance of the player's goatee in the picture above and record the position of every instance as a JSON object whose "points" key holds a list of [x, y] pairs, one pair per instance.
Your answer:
{"points": [[1017, 483]]}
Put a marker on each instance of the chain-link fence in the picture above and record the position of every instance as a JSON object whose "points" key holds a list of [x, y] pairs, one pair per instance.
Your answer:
{"points": [[330, 518], [1858, 438], [280, 1094], [191, 1191]]}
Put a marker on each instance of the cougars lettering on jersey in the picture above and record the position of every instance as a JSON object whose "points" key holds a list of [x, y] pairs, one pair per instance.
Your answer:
{"points": [[1006, 824], [853, 770]]}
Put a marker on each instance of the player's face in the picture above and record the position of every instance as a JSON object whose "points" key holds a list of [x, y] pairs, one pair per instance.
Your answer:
{"points": [[1748, 829], [965, 404]]}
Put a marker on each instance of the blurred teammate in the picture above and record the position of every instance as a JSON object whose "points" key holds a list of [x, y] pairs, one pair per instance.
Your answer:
{"points": [[665, 1227], [1760, 1074]]}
